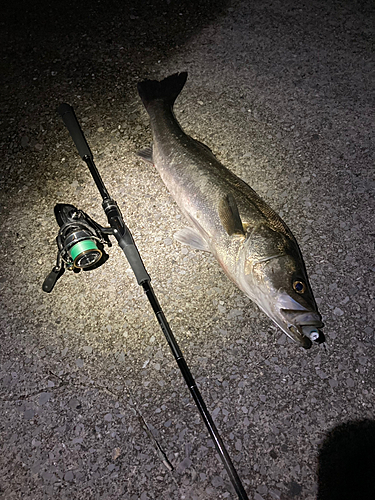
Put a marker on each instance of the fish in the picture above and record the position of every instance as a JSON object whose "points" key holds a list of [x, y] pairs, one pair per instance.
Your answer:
{"points": [[253, 245]]}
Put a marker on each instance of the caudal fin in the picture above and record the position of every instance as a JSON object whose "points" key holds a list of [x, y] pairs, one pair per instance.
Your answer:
{"points": [[167, 90]]}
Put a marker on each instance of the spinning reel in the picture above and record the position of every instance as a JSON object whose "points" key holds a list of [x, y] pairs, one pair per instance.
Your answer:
{"points": [[80, 243]]}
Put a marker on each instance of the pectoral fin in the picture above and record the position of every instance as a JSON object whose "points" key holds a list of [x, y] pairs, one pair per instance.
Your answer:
{"points": [[146, 154], [190, 237], [229, 216]]}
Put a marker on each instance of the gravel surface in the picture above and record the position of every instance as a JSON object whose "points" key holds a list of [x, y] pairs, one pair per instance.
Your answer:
{"points": [[93, 405]]}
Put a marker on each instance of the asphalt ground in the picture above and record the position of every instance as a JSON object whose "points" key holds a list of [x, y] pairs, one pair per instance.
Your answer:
{"points": [[93, 405]]}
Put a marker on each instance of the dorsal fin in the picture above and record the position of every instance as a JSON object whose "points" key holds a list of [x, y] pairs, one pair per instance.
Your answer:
{"points": [[229, 215], [204, 146]]}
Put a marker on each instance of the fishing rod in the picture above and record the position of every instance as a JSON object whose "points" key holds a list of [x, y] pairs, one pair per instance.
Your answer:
{"points": [[80, 243]]}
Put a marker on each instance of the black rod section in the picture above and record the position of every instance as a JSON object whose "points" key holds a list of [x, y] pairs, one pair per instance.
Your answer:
{"points": [[71, 123], [74, 128], [186, 373], [97, 178]]}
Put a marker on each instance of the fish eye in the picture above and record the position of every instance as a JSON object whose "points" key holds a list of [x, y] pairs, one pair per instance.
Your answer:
{"points": [[299, 286]]}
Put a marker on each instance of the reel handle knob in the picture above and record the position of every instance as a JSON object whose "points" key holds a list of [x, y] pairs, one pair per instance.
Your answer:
{"points": [[51, 279]]}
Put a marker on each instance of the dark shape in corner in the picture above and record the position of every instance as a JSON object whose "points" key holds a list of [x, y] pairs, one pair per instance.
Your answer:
{"points": [[346, 468]]}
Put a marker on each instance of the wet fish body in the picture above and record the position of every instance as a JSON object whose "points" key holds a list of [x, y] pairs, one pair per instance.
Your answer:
{"points": [[252, 244]]}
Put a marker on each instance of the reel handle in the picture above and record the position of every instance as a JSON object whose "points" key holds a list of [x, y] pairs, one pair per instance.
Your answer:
{"points": [[50, 280], [54, 275], [71, 123]]}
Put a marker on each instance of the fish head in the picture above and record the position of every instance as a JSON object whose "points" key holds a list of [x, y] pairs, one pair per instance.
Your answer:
{"points": [[271, 271]]}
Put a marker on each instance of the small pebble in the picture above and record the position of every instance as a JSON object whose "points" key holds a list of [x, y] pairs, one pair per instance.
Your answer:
{"points": [[29, 414], [185, 464], [69, 476], [257, 496], [338, 312], [74, 403], [44, 397], [350, 382], [217, 481]]}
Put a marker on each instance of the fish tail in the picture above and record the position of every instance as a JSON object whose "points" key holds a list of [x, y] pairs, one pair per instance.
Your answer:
{"points": [[167, 90]]}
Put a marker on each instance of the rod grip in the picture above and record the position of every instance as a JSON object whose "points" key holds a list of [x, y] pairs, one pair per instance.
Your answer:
{"points": [[71, 123], [134, 259]]}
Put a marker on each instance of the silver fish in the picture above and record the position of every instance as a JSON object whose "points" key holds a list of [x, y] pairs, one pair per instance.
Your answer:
{"points": [[252, 244]]}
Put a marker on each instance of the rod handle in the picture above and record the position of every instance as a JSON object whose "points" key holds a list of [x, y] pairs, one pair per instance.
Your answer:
{"points": [[71, 123], [131, 252]]}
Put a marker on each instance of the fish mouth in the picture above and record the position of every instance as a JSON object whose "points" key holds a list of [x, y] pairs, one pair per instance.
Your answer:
{"points": [[305, 335], [304, 328], [301, 324]]}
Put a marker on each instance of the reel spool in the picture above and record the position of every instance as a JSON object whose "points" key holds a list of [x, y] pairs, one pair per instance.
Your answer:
{"points": [[77, 244]]}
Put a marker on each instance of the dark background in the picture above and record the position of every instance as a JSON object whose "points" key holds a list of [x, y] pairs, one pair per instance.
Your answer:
{"points": [[283, 93]]}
